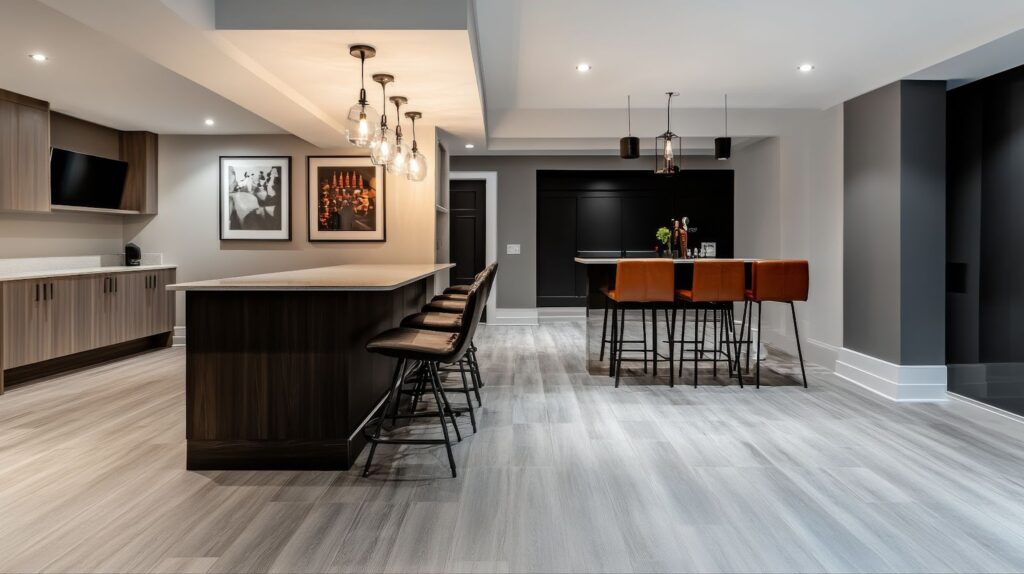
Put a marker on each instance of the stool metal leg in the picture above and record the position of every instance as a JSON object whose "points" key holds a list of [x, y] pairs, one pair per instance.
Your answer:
{"points": [[757, 362], [604, 330], [435, 384], [796, 331], [643, 326], [474, 371], [395, 383], [671, 348], [654, 338], [444, 405], [614, 339], [618, 347], [469, 399]]}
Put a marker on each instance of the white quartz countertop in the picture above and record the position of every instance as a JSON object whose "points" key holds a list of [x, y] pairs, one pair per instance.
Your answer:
{"points": [[354, 277], [45, 273], [614, 260]]}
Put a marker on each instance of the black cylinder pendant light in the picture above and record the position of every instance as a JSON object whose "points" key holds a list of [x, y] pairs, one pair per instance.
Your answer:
{"points": [[629, 146], [723, 145]]}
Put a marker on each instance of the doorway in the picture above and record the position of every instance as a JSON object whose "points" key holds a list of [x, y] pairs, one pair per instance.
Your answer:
{"points": [[468, 229]]}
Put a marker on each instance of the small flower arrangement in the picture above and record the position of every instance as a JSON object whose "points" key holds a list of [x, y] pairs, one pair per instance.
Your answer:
{"points": [[663, 235]]}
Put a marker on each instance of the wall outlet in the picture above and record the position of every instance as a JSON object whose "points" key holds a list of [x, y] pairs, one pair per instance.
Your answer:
{"points": [[512, 249]]}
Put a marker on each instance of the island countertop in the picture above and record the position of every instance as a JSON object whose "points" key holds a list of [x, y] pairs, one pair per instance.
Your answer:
{"points": [[351, 277]]}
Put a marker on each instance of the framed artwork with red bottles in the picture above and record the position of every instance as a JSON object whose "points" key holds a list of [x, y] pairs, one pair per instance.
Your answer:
{"points": [[346, 199]]}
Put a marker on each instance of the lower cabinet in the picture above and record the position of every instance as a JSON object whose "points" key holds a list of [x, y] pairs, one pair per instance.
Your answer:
{"points": [[59, 316]]}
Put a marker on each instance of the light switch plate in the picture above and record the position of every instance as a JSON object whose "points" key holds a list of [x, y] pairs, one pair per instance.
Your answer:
{"points": [[512, 249]]}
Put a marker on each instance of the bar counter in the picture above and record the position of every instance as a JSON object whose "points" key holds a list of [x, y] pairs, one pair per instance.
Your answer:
{"points": [[277, 375]]}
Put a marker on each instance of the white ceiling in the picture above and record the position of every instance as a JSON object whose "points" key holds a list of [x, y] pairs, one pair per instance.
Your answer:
{"points": [[92, 77], [702, 49], [504, 80]]}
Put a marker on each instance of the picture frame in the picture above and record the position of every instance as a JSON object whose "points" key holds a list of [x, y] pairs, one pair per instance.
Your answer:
{"points": [[255, 197], [346, 199]]}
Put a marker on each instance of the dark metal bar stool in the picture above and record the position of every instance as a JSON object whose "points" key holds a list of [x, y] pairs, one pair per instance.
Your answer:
{"points": [[716, 285], [413, 348], [783, 281], [646, 284], [450, 323]]}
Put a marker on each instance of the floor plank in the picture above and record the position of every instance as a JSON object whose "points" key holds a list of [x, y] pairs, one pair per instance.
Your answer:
{"points": [[566, 474]]}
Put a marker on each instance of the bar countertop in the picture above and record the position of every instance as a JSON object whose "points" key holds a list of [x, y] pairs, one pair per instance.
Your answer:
{"points": [[614, 260], [354, 277]]}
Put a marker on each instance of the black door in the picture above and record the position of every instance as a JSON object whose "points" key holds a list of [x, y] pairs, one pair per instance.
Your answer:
{"points": [[468, 231]]}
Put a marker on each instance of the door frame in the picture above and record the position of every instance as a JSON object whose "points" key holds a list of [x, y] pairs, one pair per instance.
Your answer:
{"points": [[490, 223]]}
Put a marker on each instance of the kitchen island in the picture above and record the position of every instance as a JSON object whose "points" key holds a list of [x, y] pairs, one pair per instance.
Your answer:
{"points": [[277, 375]]}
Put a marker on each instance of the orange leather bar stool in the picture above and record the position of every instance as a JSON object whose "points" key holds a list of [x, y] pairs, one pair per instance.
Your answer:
{"points": [[784, 281], [716, 284], [643, 284]]}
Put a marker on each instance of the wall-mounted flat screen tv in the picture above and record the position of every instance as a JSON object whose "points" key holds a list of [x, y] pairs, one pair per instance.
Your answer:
{"points": [[81, 180]]}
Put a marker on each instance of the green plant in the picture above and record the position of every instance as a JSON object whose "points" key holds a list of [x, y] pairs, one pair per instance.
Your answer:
{"points": [[663, 235]]}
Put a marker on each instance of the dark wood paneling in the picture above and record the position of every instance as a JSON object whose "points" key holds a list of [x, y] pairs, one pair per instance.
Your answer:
{"points": [[139, 149], [265, 370], [617, 214], [556, 217]]}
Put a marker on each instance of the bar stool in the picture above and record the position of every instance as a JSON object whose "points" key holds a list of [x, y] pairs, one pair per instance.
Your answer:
{"points": [[716, 285], [646, 284], [428, 348], [452, 322], [783, 281]]}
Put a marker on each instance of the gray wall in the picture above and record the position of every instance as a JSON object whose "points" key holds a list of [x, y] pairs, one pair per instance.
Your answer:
{"points": [[894, 223], [517, 210], [187, 229]]}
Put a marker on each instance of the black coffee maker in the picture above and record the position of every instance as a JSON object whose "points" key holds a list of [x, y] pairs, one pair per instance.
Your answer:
{"points": [[132, 255]]}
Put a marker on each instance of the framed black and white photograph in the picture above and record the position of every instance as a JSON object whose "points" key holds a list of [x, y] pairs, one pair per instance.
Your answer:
{"points": [[255, 198], [346, 199]]}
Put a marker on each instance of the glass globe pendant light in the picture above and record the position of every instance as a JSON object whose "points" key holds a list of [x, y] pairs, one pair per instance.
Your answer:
{"points": [[400, 158], [668, 145], [382, 147], [416, 169], [362, 119]]}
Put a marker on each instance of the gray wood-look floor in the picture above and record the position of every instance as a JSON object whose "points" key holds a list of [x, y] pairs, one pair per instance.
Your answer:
{"points": [[566, 474]]}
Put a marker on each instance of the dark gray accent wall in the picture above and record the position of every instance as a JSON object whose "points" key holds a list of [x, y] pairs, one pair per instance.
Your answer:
{"points": [[871, 224], [517, 210], [923, 223], [894, 223]]}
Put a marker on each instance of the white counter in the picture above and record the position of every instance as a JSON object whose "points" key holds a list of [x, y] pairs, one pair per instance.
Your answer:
{"points": [[356, 277], [44, 273]]}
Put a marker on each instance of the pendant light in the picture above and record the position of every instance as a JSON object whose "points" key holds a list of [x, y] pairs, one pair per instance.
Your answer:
{"points": [[361, 123], [417, 164], [382, 147], [400, 159], [668, 145], [723, 145], [629, 146]]}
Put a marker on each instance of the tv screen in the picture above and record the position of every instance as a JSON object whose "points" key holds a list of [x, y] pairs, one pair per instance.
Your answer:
{"points": [[81, 180]]}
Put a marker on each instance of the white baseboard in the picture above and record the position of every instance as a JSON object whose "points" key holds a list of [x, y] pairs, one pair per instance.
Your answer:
{"points": [[904, 383], [821, 353], [513, 317], [561, 314], [178, 338]]}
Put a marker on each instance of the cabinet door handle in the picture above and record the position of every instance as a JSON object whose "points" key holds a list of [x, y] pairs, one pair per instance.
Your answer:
{"points": [[37, 291], [51, 290]]}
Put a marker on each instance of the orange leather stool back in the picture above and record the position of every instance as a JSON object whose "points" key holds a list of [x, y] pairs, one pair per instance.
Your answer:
{"points": [[784, 280], [718, 281], [644, 280]]}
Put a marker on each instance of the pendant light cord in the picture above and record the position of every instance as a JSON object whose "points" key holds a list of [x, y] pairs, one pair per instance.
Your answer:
{"points": [[726, 115], [629, 117]]}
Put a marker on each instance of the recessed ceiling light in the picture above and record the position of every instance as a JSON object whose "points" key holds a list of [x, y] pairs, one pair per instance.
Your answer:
{"points": [[38, 57], [805, 68], [208, 121], [470, 146], [582, 67]]}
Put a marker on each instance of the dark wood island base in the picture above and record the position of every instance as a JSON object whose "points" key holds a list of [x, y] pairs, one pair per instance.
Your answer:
{"points": [[281, 379]]}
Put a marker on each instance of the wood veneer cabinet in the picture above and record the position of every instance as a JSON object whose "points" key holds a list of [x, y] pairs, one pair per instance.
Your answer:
{"points": [[24, 153], [53, 317]]}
